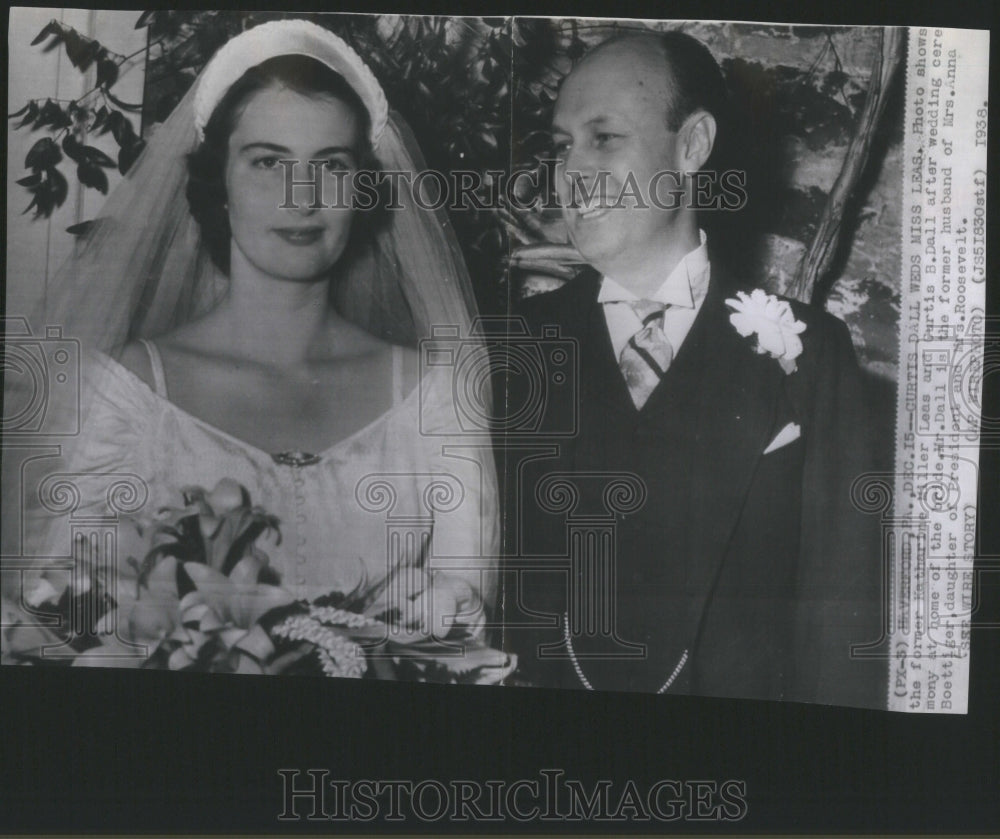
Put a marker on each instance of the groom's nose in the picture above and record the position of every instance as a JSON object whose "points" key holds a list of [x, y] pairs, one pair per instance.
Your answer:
{"points": [[579, 165]]}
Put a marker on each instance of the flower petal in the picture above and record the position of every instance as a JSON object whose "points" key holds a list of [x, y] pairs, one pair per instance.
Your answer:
{"points": [[194, 610], [195, 641], [246, 571], [152, 619], [207, 580], [257, 643], [179, 659], [793, 346], [210, 621], [495, 673], [246, 665], [208, 525], [162, 580], [111, 653], [737, 303], [240, 605], [39, 590], [26, 640], [771, 340], [227, 495], [231, 636], [744, 324]]}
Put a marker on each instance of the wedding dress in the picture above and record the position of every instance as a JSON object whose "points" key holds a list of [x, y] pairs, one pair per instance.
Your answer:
{"points": [[339, 511], [409, 487]]}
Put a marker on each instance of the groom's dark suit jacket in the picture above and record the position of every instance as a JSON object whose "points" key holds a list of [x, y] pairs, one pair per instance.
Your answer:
{"points": [[757, 565]]}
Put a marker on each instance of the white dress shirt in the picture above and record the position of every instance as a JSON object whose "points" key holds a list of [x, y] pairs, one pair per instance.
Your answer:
{"points": [[683, 290]]}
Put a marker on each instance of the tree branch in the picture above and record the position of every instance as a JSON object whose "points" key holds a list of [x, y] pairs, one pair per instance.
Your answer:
{"points": [[817, 261]]}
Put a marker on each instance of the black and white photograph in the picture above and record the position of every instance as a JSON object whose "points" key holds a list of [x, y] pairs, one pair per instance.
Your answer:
{"points": [[490, 379]]}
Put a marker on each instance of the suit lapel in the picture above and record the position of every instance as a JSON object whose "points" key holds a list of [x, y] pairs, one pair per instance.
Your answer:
{"points": [[735, 407], [719, 398], [717, 386]]}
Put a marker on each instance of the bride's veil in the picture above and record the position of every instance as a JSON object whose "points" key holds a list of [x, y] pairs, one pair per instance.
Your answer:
{"points": [[142, 270]]}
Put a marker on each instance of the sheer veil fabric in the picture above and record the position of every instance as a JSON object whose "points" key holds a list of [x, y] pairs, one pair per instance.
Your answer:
{"points": [[142, 270]]}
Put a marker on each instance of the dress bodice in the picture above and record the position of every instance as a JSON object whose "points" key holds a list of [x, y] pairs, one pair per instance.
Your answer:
{"points": [[343, 517]]}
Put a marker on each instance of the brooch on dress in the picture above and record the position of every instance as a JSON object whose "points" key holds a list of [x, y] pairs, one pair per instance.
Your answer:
{"points": [[295, 458]]}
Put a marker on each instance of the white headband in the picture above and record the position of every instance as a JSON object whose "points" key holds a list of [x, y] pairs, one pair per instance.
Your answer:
{"points": [[288, 37]]}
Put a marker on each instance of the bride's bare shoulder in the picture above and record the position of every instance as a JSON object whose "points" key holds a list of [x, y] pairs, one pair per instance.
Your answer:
{"points": [[353, 342], [348, 340]]}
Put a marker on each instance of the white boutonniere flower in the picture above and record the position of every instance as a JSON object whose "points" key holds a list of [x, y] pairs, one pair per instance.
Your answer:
{"points": [[771, 322]]}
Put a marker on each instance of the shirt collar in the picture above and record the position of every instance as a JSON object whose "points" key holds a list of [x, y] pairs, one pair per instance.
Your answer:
{"points": [[684, 286]]}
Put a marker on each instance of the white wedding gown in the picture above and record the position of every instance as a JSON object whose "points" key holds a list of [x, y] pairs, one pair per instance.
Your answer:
{"points": [[364, 500]]}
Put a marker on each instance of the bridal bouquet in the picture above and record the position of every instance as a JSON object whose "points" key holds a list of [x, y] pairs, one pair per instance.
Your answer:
{"points": [[203, 597]]}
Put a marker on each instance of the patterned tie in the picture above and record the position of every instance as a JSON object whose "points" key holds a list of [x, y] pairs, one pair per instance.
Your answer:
{"points": [[647, 355]]}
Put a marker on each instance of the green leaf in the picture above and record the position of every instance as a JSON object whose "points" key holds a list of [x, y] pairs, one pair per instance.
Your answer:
{"points": [[165, 24], [48, 115], [97, 157], [49, 193], [121, 129], [82, 229], [50, 28], [488, 140], [247, 532], [93, 176], [73, 148], [52, 115], [43, 154], [128, 106], [107, 72], [74, 46], [81, 50], [36, 206], [31, 181], [60, 186], [129, 154], [100, 121], [30, 117], [113, 123], [576, 48]]}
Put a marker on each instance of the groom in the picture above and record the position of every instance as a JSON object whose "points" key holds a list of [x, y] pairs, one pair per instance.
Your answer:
{"points": [[732, 427]]}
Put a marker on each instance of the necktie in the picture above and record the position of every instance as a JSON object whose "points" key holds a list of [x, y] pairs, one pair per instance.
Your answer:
{"points": [[647, 355]]}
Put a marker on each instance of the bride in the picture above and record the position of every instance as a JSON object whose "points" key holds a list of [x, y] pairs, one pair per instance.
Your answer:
{"points": [[240, 331]]}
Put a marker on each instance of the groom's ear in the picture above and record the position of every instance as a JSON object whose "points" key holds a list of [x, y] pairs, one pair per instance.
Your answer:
{"points": [[696, 139]]}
